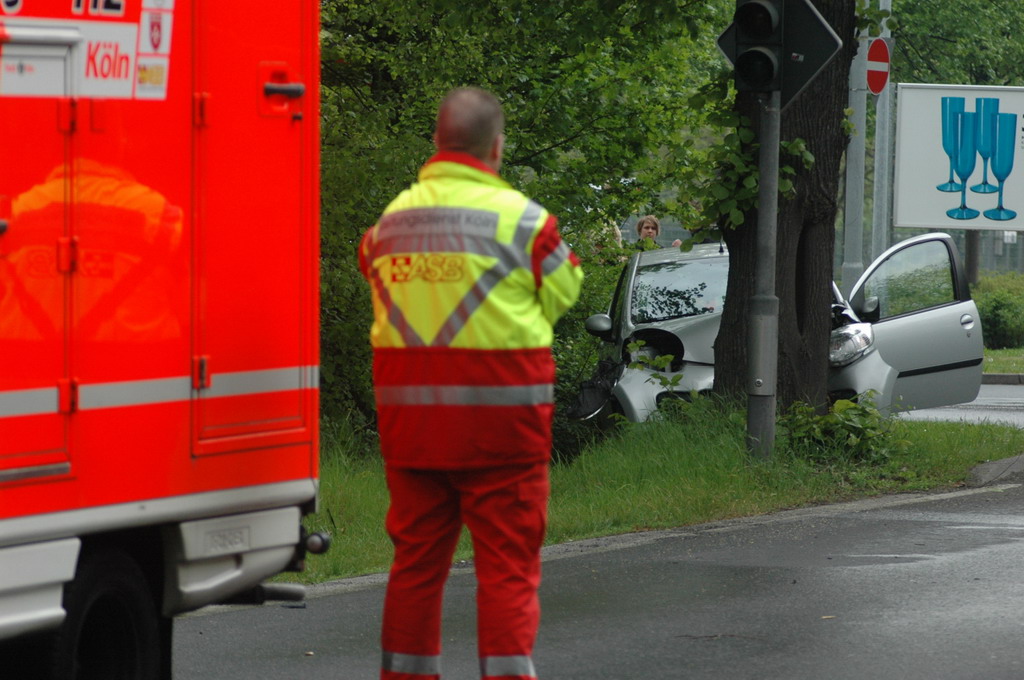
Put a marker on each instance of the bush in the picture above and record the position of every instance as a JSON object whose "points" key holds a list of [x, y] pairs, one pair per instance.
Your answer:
{"points": [[1002, 319], [576, 351], [1000, 300], [850, 433]]}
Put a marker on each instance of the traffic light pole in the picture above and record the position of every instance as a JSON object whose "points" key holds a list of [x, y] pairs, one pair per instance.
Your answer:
{"points": [[763, 338], [776, 47]]}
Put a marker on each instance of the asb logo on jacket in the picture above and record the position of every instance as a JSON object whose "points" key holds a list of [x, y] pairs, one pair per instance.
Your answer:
{"points": [[433, 268]]}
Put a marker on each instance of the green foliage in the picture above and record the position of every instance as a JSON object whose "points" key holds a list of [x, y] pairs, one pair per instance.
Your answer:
{"points": [[971, 42], [661, 362], [1010, 282], [848, 126], [731, 192], [728, 194], [850, 433], [871, 20], [1000, 301], [801, 155], [1002, 318], [704, 410], [345, 358], [348, 436], [1004, 360], [576, 351], [592, 91]]}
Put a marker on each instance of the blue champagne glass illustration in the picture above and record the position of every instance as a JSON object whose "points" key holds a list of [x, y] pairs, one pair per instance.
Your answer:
{"points": [[951, 107], [965, 158], [987, 109], [1002, 161]]}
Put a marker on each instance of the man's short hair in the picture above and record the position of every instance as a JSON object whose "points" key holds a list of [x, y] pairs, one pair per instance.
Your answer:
{"points": [[468, 119]]}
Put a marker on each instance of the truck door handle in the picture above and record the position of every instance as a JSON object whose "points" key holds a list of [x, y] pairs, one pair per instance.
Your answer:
{"points": [[3, 227], [290, 90]]}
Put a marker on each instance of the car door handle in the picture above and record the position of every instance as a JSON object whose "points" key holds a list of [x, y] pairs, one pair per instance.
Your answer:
{"points": [[290, 90], [3, 227], [967, 321]]}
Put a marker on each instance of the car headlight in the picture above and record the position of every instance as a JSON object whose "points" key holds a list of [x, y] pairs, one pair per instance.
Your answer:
{"points": [[849, 343]]}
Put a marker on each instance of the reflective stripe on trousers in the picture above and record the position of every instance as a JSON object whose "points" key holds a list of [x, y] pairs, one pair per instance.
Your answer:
{"points": [[409, 667], [465, 395], [414, 667], [518, 667]]}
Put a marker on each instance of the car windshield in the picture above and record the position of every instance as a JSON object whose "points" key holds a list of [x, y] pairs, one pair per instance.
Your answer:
{"points": [[671, 290]]}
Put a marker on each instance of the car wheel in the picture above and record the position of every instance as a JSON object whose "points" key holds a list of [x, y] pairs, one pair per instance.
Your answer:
{"points": [[611, 415], [112, 630]]}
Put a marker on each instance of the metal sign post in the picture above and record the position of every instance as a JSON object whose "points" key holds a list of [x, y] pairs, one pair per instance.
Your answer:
{"points": [[853, 210], [881, 215], [763, 338]]}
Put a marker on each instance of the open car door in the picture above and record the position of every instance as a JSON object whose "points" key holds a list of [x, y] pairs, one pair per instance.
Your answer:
{"points": [[927, 333]]}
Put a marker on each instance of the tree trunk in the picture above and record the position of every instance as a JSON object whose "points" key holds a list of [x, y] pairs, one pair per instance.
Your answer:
{"points": [[806, 236], [972, 248]]}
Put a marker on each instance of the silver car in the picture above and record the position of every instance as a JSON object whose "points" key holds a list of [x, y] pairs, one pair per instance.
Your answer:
{"points": [[909, 333]]}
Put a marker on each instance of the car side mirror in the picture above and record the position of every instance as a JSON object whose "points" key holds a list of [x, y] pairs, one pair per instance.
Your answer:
{"points": [[869, 310], [599, 325]]}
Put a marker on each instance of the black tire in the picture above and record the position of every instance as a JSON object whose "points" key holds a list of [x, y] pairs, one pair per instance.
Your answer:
{"points": [[113, 630]]}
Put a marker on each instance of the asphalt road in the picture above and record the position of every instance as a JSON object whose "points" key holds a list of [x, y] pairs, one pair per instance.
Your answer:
{"points": [[997, 403], [913, 586]]}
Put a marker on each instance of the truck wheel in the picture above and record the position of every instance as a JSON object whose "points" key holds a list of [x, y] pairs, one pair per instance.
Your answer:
{"points": [[112, 630]]}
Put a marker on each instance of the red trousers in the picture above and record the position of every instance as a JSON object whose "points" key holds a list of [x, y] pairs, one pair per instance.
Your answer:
{"points": [[505, 509]]}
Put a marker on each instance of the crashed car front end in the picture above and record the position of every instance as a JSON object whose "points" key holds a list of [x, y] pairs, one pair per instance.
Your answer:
{"points": [[909, 335], [658, 334], [671, 360]]}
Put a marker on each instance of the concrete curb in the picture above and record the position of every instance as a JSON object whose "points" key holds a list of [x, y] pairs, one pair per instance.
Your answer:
{"points": [[1002, 379], [1002, 471], [1008, 469]]}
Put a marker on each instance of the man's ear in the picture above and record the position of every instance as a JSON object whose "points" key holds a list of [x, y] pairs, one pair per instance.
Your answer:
{"points": [[496, 153]]}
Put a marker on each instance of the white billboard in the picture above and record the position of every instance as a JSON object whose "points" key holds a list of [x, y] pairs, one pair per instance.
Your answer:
{"points": [[959, 157]]}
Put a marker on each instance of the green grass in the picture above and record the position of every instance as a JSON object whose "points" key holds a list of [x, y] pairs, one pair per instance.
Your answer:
{"points": [[1004, 360], [660, 475]]}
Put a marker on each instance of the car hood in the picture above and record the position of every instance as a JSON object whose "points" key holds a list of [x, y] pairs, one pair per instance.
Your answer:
{"points": [[697, 333]]}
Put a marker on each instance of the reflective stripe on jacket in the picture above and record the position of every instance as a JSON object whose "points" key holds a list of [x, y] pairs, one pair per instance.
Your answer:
{"points": [[468, 277]]}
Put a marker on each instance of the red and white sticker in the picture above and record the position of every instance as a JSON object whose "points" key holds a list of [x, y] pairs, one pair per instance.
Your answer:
{"points": [[122, 58]]}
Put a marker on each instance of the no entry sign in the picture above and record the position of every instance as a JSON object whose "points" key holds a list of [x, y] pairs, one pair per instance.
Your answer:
{"points": [[878, 65]]}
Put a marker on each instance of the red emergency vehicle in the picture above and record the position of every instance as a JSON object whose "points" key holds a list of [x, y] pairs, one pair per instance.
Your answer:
{"points": [[158, 317]]}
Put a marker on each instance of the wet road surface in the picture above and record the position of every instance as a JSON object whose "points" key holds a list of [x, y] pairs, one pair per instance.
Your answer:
{"points": [[916, 586]]}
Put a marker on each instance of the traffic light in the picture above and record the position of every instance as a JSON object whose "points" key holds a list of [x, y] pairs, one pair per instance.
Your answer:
{"points": [[759, 46]]}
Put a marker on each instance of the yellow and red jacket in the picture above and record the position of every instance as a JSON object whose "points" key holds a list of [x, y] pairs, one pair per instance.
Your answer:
{"points": [[468, 277]]}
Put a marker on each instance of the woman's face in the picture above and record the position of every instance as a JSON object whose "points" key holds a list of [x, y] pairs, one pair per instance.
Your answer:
{"points": [[648, 231]]}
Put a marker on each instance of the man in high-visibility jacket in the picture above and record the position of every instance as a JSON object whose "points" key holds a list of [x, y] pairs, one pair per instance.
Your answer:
{"points": [[468, 276]]}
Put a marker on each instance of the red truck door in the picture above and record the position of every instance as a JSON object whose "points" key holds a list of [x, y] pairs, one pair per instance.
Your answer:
{"points": [[35, 257], [253, 392]]}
